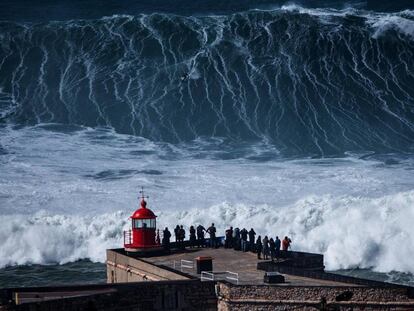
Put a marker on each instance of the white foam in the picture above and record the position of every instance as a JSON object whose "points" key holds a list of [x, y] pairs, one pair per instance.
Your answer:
{"points": [[381, 23], [316, 11], [399, 22], [349, 231], [45, 238], [68, 196]]}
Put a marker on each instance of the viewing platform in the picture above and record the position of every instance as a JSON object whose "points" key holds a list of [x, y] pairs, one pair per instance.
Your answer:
{"points": [[234, 266]]}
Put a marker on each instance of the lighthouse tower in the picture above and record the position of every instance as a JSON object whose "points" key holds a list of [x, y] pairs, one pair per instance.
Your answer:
{"points": [[141, 236]]}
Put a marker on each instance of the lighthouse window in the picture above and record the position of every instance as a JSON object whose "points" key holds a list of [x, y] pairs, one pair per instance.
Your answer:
{"points": [[143, 223]]}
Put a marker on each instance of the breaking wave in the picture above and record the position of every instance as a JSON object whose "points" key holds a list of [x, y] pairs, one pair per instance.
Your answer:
{"points": [[308, 81], [350, 231], [294, 120]]}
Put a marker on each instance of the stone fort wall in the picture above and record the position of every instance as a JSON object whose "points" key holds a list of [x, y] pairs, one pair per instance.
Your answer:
{"points": [[265, 297], [223, 296], [163, 295]]}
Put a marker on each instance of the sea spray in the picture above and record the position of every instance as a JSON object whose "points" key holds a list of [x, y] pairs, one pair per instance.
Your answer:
{"points": [[350, 231]]}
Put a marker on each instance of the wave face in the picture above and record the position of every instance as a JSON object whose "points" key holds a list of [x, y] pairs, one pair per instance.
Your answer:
{"points": [[307, 81]]}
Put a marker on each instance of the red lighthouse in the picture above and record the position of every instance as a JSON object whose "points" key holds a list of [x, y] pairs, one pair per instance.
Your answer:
{"points": [[142, 235]]}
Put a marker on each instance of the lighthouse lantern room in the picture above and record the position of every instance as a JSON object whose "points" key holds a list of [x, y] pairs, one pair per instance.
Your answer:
{"points": [[141, 236]]}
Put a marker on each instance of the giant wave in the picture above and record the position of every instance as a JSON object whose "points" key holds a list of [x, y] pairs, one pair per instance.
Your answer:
{"points": [[308, 81]]}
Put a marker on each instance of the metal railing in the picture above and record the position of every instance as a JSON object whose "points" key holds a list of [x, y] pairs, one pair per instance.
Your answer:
{"points": [[233, 276], [215, 275], [188, 264], [207, 276]]}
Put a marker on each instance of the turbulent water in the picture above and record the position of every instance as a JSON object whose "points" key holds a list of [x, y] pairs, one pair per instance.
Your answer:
{"points": [[294, 120]]}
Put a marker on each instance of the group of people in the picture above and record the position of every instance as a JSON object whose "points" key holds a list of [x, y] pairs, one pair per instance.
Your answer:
{"points": [[196, 238], [241, 240], [245, 241], [237, 239], [269, 247]]}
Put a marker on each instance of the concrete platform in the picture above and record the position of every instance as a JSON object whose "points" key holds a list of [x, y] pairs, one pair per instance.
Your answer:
{"points": [[243, 263]]}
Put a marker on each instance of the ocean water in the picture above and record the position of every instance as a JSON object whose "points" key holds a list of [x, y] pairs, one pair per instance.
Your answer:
{"points": [[292, 118]]}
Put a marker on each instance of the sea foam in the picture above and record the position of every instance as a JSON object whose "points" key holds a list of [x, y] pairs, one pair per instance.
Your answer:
{"points": [[350, 231]]}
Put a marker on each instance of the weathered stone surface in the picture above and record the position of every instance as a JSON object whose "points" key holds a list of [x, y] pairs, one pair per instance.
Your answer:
{"points": [[184, 295], [312, 293], [259, 297]]}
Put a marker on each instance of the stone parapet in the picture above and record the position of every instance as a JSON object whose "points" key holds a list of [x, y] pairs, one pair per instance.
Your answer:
{"points": [[271, 297], [170, 295], [311, 293]]}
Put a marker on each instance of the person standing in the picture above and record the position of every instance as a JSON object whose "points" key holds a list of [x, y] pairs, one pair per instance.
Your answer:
{"points": [[192, 237], [229, 236], [212, 231], [177, 233], [236, 239], [259, 247], [243, 234], [182, 237], [166, 235], [277, 247], [265, 248], [157, 237], [272, 249], [200, 236], [286, 244], [252, 235]]}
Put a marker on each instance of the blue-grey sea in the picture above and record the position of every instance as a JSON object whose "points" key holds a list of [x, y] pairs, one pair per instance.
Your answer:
{"points": [[292, 117]]}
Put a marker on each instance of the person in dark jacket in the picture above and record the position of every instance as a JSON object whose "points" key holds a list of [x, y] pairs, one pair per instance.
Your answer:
{"points": [[266, 248], [243, 234], [166, 235], [181, 234], [272, 249], [192, 237], [259, 247], [236, 239], [229, 238], [200, 236], [212, 231], [157, 237], [252, 235], [277, 247], [177, 233]]}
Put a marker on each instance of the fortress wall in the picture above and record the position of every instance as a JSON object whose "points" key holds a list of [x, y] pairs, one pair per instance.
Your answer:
{"points": [[311, 306], [197, 295], [170, 295], [267, 297], [311, 293], [122, 269]]}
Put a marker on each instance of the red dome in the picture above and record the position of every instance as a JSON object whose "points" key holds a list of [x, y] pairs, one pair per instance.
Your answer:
{"points": [[143, 212]]}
